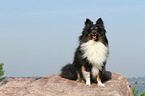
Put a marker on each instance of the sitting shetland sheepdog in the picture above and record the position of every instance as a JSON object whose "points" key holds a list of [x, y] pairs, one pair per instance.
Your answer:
{"points": [[90, 56]]}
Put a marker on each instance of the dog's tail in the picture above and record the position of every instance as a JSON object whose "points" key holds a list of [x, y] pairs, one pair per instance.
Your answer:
{"points": [[106, 76], [69, 72]]}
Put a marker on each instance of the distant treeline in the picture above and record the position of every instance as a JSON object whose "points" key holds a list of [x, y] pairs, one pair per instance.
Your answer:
{"points": [[138, 79]]}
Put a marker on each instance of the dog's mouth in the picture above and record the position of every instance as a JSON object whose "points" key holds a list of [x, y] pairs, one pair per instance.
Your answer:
{"points": [[94, 36]]}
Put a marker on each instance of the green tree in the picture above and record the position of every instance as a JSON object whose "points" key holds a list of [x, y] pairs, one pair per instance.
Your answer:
{"points": [[143, 83], [1, 72], [134, 90], [142, 93], [136, 83]]}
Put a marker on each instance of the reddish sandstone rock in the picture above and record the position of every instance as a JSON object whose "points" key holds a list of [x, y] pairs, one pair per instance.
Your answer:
{"points": [[54, 85]]}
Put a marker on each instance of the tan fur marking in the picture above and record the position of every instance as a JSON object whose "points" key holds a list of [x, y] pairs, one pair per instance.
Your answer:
{"points": [[78, 77], [103, 72], [100, 38], [83, 68], [89, 36], [98, 78]]}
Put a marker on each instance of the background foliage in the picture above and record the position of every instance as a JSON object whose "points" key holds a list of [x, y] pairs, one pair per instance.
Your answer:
{"points": [[1, 72]]}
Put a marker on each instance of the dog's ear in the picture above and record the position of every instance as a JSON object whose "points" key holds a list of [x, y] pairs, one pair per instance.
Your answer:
{"points": [[88, 23], [100, 23]]}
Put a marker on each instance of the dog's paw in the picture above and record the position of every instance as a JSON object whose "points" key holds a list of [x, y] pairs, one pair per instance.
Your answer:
{"points": [[88, 84], [101, 85], [80, 81]]}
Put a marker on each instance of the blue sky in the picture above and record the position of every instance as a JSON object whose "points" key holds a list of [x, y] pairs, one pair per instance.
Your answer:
{"points": [[38, 37]]}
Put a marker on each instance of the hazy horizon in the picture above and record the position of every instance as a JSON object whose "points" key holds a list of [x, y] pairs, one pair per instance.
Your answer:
{"points": [[38, 38]]}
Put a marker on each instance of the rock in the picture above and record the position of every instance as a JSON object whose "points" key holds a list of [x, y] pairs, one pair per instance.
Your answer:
{"points": [[54, 85]]}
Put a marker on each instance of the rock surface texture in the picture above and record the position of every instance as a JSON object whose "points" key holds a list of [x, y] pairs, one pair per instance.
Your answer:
{"points": [[54, 85]]}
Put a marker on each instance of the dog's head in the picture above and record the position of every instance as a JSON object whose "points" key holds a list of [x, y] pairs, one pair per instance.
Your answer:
{"points": [[93, 31]]}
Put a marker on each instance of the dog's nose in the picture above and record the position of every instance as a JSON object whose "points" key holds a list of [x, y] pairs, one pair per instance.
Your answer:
{"points": [[94, 32]]}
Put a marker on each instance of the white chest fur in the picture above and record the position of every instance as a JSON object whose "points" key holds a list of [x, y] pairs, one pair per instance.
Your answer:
{"points": [[95, 52]]}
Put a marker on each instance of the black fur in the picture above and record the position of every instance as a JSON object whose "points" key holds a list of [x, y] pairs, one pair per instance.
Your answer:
{"points": [[98, 31], [69, 72]]}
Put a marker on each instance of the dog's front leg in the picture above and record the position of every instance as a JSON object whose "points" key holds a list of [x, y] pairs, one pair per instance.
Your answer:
{"points": [[86, 75], [100, 84]]}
